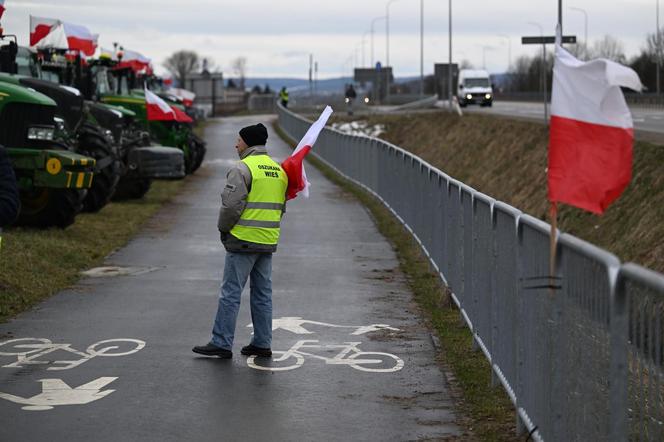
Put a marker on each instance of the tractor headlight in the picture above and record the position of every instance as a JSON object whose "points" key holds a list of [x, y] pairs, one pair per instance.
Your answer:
{"points": [[488, 96], [59, 124], [469, 97], [366, 100], [40, 132]]}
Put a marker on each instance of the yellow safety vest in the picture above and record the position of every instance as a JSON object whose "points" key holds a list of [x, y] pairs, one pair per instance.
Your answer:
{"points": [[260, 220]]}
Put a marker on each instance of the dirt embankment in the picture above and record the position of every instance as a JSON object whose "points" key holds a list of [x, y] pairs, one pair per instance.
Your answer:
{"points": [[506, 159]]}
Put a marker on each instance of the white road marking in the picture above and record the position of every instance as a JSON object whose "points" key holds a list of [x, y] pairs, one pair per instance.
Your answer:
{"points": [[349, 355], [294, 324], [28, 351], [56, 392]]}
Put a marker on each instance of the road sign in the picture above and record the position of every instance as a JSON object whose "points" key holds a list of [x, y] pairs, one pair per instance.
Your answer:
{"points": [[546, 40]]}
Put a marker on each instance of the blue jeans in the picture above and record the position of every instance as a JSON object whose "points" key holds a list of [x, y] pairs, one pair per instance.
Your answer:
{"points": [[237, 268]]}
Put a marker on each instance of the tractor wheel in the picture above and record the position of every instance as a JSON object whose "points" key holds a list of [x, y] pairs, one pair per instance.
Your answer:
{"points": [[105, 181], [47, 207], [197, 147], [132, 188]]}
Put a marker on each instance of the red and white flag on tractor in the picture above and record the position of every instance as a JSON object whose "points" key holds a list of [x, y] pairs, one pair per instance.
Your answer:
{"points": [[591, 134], [40, 27], [134, 60], [294, 166], [53, 33], [157, 109], [2, 7]]}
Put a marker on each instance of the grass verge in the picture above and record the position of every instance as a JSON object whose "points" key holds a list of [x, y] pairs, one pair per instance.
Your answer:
{"points": [[35, 264], [489, 412]]}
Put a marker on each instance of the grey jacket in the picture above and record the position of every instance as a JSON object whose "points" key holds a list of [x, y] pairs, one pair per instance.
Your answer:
{"points": [[233, 202]]}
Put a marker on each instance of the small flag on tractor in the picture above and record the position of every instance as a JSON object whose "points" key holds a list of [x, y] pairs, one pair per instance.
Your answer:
{"points": [[157, 109]]}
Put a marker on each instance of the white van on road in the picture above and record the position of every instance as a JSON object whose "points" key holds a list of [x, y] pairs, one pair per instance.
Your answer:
{"points": [[474, 88]]}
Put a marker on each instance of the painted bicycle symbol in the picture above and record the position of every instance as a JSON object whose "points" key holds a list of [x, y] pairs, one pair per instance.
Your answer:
{"points": [[349, 355], [29, 351]]}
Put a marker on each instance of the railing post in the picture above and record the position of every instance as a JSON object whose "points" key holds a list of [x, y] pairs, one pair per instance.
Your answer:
{"points": [[618, 372]]}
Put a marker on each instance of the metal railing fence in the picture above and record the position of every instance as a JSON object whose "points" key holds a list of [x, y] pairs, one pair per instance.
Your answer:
{"points": [[580, 353]]}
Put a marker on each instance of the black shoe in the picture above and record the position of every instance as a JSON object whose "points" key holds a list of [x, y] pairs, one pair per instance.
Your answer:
{"points": [[250, 350], [212, 350]]}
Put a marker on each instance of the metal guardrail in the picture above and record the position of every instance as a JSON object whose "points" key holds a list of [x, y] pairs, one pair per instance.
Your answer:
{"points": [[580, 354]]}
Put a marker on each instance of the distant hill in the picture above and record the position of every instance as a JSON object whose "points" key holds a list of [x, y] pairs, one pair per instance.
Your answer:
{"points": [[300, 86]]}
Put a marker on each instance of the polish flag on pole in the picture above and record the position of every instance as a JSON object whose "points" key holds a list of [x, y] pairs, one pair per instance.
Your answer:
{"points": [[181, 116], [294, 166], [157, 109], [80, 38], [40, 27], [591, 134], [134, 60], [2, 7], [53, 33]]}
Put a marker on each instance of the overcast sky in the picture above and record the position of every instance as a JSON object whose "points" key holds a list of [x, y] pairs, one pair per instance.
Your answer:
{"points": [[277, 36]]}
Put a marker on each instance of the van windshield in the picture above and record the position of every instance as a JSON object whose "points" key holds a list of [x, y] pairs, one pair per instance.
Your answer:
{"points": [[476, 82]]}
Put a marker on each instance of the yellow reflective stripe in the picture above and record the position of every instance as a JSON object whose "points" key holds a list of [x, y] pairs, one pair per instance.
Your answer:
{"points": [[79, 180], [69, 176]]}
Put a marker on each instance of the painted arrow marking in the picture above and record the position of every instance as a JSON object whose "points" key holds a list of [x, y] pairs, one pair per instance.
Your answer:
{"points": [[56, 392]]}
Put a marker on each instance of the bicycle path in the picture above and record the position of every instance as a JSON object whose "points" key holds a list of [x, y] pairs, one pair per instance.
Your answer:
{"points": [[367, 370]]}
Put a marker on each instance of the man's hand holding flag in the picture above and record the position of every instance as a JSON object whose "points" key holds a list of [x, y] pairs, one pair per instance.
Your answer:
{"points": [[294, 166]]}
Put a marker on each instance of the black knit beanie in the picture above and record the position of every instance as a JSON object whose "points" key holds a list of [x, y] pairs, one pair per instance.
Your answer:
{"points": [[255, 135]]}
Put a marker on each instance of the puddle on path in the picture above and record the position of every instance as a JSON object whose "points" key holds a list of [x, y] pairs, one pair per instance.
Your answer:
{"points": [[108, 271]]}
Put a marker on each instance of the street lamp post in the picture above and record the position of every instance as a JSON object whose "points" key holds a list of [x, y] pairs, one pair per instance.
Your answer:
{"points": [[373, 22], [543, 74], [421, 47], [657, 49], [450, 72], [585, 27], [509, 50], [484, 49], [363, 43]]}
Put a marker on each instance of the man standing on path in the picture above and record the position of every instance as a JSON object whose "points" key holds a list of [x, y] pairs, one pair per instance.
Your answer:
{"points": [[252, 204]]}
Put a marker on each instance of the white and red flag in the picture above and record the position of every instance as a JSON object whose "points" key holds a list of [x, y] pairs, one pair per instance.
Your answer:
{"points": [[2, 7], [591, 134], [187, 97], [157, 109], [181, 116], [40, 27], [294, 166], [134, 60], [53, 33]]}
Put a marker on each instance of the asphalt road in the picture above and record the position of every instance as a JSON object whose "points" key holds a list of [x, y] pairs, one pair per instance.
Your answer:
{"points": [[645, 120], [335, 277]]}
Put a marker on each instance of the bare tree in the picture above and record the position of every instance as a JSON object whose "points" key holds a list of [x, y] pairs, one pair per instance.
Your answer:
{"points": [[240, 70], [609, 47], [181, 64]]}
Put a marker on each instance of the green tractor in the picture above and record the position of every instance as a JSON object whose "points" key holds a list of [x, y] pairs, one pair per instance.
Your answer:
{"points": [[142, 161], [118, 91], [76, 130], [52, 180]]}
